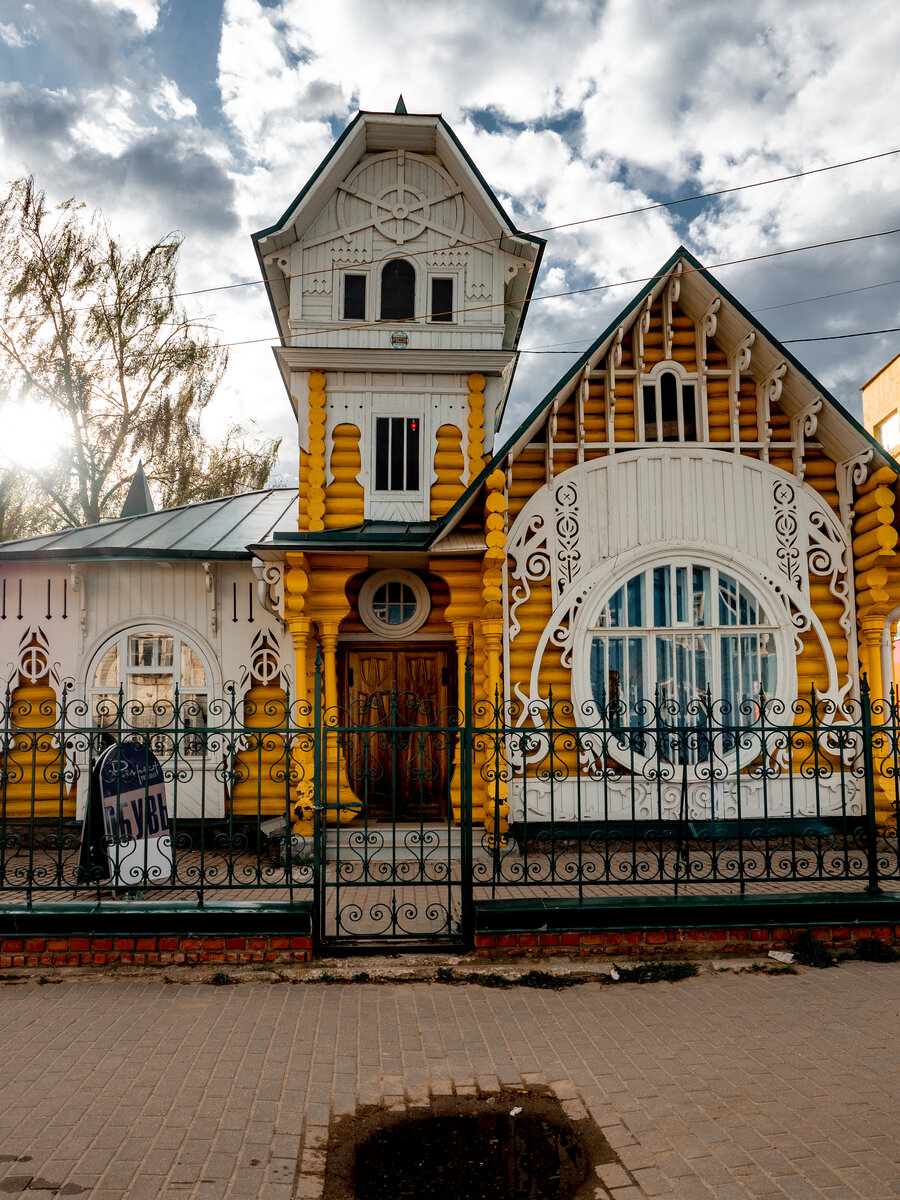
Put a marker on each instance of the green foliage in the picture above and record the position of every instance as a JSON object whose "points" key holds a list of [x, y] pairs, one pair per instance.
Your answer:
{"points": [[873, 950], [220, 978], [811, 953], [94, 333], [657, 972], [444, 975]]}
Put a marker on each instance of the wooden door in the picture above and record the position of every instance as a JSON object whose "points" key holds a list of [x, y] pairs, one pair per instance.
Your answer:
{"points": [[399, 767]]}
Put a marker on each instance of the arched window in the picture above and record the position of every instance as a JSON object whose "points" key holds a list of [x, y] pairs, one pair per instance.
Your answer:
{"points": [[398, 290], [670, 410], [679, 632], [147, 665]]}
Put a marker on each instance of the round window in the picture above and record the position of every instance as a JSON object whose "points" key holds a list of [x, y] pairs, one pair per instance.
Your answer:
{"points": [[394, 603]]}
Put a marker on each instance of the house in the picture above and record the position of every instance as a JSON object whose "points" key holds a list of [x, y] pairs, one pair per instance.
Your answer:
{"points": [[688, 520]]}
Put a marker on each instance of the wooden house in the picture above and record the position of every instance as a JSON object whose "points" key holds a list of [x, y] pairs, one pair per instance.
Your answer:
{"points": [[687, 514]]}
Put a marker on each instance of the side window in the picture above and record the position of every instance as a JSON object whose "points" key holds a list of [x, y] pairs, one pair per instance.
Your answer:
{"points": [[396, 454], [670, 410], [398, 290], [441, 300], [354, 297]]}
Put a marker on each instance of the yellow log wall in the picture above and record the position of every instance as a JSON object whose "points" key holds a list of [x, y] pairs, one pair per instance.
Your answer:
{"points": [[344, 496]]}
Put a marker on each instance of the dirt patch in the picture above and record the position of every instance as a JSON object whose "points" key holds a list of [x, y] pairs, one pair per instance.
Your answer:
{"points": [[513, 1145]]}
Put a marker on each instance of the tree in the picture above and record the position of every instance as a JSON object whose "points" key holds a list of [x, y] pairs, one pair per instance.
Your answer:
{"points": [[94, 332]]}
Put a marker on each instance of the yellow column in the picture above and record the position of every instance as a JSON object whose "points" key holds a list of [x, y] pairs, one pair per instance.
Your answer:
{"points": [[496, 811], [328, 605], [315, 491], [461, 640], [475, 447], [296, 587]]}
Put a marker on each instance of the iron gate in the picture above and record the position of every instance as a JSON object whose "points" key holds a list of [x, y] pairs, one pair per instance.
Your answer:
{"points": [[393, 823]]}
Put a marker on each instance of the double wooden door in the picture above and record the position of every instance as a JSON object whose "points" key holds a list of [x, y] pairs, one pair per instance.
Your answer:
{"points": [[400, 700]]}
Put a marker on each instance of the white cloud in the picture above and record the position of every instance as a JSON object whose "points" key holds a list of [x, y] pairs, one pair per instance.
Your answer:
{"points": [[15, 36], [168, 102], [145, 12]]}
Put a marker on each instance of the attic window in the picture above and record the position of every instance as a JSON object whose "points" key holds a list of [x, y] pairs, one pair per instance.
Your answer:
{"points": [[670, 410], [398, 290], [442, 300], [354, 297]]}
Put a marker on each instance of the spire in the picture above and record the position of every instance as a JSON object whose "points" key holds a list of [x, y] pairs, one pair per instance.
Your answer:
{"points": [[138, 502], [401, 106]]}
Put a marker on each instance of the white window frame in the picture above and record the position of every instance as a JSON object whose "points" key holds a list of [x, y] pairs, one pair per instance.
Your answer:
{"points": [[399, 495], [367, 594], [653, 379], [339, 310], [121, 637], [588, 626], [454, 277]]}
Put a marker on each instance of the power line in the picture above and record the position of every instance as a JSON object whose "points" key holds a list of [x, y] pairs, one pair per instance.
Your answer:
{"points": [[627, 212], [829, 295], [599, 287], [837, 337]]}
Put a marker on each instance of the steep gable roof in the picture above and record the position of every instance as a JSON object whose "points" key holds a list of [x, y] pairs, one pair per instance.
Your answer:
{"points": [[838, 430]]}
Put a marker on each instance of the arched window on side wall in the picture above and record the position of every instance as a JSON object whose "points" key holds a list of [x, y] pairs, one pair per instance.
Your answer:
{"points": [[398, 290]]}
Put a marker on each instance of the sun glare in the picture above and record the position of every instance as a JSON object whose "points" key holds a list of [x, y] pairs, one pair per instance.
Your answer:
{"points": [[29, 435]]}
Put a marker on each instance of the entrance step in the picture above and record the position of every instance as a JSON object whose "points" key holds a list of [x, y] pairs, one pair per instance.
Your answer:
{"points": [[400, 842]]}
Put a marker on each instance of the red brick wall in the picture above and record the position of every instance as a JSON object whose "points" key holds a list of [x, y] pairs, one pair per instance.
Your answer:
{"points": [[685, 942], [71, 951]]}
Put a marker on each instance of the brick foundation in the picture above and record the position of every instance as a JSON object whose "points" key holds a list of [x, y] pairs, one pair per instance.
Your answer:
{"points": [[693, 942], [87, 950]]}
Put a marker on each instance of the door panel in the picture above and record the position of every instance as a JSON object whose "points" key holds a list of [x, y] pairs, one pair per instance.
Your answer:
{"points": [[400, 766]]}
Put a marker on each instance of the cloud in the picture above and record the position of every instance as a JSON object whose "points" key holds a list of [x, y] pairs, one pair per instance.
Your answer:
{"points": [[167, 101]]}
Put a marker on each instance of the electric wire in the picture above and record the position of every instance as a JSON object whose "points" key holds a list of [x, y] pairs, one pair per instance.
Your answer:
{"points": [[663, 204]]}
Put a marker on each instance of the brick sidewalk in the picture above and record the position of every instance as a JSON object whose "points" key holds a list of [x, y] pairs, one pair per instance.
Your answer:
{"points": [[724, 1085]]}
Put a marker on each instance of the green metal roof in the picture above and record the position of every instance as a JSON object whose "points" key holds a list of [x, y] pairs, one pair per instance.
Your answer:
{"points": [[212, 529], [369, 535]]}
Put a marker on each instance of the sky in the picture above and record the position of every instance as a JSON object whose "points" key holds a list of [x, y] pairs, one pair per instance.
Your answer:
{"points": [[208, 116]]}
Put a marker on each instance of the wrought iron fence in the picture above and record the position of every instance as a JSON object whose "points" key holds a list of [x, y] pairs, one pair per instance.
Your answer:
{"points": [[390, 817]]}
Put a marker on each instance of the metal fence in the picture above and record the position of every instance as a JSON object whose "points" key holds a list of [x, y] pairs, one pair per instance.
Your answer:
{"points": [[392, 817]]}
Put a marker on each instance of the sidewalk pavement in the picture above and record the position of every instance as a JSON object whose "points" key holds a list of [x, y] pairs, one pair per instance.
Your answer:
{"points": [[722, 1086]]}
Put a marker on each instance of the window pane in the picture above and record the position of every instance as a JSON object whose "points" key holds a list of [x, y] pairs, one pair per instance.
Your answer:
{"points": [[728, 600], [635, 592], [689, 409], [681, 595], [442, 299], [398, 290], [636, 680], [354, 297], [651, 433], [150, 650], [598, 670], [396, 458], [668, 403], [729, 677], [152, 697], [192, 673], [613, 615], [412, 455], [701, 585], [382, 452], [662, 605], [748, 614], [664, 668], [107, 673]]}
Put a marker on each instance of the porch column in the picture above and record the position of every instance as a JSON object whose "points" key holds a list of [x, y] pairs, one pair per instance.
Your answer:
{"points": [[461, 639], [296, 586]]}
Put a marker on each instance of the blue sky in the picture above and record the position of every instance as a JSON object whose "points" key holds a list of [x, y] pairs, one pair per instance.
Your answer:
{"points": [[207, 116]]}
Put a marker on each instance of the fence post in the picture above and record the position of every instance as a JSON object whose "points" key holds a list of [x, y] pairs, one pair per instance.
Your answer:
{"points": [[865, 701], [466, 900], [318, 765]]}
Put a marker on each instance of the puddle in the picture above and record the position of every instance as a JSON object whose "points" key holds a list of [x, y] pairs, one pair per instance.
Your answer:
{"points": [[461, 1148]]}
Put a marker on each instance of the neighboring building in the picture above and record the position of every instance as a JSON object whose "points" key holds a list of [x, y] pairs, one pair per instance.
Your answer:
{"points": [[881, 417], [687, 513]]}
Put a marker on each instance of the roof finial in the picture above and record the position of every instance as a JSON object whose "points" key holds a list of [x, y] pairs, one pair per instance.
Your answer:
{"points": [[401, 107], [138, 502]]}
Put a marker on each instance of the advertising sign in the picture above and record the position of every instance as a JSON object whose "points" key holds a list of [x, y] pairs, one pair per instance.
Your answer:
{"points": [[135, 817]]}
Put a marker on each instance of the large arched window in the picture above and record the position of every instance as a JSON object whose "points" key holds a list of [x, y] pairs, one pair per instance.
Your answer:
{"points": [[398, 290], [679, 632], [147, 665]]}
